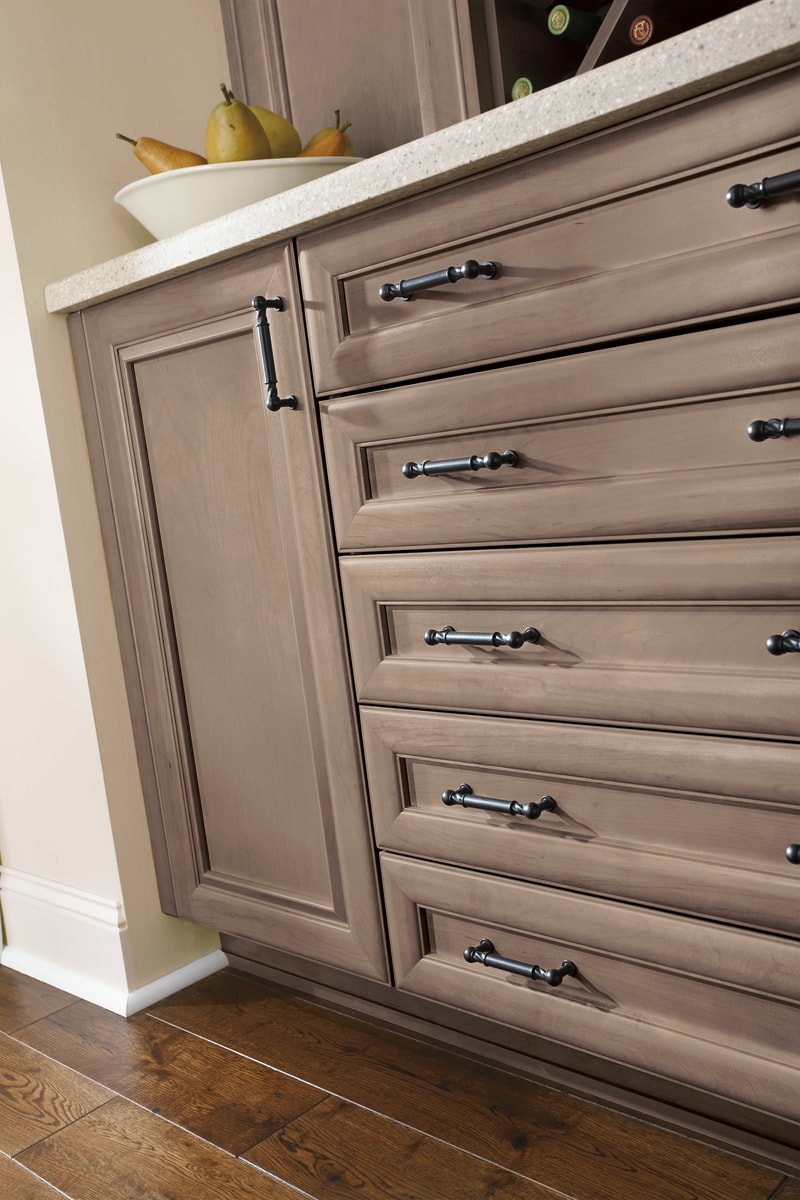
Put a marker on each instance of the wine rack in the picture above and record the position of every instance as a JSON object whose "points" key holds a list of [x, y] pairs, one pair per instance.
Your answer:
{"points": [[517, 44]]}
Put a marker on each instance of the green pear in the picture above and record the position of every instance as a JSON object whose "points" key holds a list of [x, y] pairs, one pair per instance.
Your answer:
{"points": [[334, 145], [161, 156], [283, 138], [234, 133]]}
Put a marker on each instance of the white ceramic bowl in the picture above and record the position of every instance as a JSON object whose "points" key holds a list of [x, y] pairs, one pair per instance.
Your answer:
{"points": [[172, 201]]}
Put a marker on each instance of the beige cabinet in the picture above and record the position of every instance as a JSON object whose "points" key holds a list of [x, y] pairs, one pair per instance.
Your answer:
{"points": [[513, 555], [399, 69], [216, 527], [562, 558]]}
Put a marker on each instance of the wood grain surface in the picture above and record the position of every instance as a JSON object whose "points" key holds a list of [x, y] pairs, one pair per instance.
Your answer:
{"points": [[121, 1151], [221, 1096], [17, 1183], [23, 1000], [570, 1145], [39, 1097], [237, 1087], [338, 1151]]}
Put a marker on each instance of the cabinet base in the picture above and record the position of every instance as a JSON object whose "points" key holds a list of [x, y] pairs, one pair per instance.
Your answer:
{"points": [[636, 1094]]}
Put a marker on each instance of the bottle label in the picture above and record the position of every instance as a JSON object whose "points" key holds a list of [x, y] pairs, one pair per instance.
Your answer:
{"points": [[641, 30], [522, 87]]}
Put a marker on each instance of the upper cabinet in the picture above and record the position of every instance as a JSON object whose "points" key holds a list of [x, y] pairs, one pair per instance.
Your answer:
{"points": [[397, 69], [400, 69]]}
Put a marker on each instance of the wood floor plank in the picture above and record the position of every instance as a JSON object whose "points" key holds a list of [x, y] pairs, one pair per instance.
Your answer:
{"points": [[208, 1089], [16, 1183], [790, 1190], [338, 1151], [38, 1096], [23, 1000], [569, 1144], [121, 1151]]}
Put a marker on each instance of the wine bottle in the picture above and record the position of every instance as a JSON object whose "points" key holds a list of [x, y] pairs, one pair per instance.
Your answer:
{"points": [[523, 87], [641, 30], [575, 23]]}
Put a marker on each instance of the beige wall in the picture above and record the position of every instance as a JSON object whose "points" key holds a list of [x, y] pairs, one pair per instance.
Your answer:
{"points": [[72, 827]]}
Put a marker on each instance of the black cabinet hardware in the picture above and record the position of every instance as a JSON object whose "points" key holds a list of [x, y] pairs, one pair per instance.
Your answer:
{"points": [[448, 636], [787, 642], [405, 289], [753, 195], [762, 431], [465, 796], [274, 401], [793, 853], [484, 953], [489, 462]]}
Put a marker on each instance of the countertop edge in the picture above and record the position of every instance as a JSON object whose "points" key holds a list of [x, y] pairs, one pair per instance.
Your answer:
{"points": [[765, 36]]}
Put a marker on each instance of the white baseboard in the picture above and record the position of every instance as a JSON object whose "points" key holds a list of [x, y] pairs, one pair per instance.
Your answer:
{"points": [[116, 1000], [168, 985], [74, 941]]}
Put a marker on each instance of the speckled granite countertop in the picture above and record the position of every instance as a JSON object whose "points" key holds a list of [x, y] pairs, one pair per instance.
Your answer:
{"points": [[757, 38]]}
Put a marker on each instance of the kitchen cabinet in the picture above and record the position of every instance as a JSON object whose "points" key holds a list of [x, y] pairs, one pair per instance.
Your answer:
{"points": [[216, 528], [400, 69], [397, 69], [562, 558], [450, 683]]}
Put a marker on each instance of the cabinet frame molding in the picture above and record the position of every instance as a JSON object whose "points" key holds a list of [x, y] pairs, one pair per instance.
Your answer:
{"points": [[338, 922]]}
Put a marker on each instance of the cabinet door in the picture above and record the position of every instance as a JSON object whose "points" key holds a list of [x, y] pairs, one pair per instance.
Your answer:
{"points": [[216, 525], [397, 69]]}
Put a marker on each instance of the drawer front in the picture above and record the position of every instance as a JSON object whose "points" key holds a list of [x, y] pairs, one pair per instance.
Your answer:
{"points": [[645, 439], [695, 824], [622, 232], [646, 993], [669, 634]]}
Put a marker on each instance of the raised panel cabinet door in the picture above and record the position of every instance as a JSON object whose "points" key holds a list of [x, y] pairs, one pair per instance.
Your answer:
{"points": [[224, 582]]}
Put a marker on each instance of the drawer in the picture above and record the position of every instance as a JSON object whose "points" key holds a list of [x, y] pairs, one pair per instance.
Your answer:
{"points": [[644, 439], [695, 824], [662, 634], [620, 233], [710, 1007]]}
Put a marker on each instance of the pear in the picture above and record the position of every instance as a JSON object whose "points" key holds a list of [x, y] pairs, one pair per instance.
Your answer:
{"points": [[332, 141], [234, 133], [160, 156], [284, 140]]}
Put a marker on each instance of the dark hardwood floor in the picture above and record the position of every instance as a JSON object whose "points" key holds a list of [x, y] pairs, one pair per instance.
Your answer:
{"points": [[237, 1088]]}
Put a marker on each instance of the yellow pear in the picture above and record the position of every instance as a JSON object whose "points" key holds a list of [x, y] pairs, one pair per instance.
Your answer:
{"points": [[234, 133], [332, 141], [160, 156], [284, 140]]}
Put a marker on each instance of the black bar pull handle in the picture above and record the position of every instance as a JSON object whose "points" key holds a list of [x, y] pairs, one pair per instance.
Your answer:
{"points": [[793, 853], [784, 643], [484, 953], [274, 401], [465, 796], [448, 636], [405, 289], [753, 195], [762, 431], [489, 462]]}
